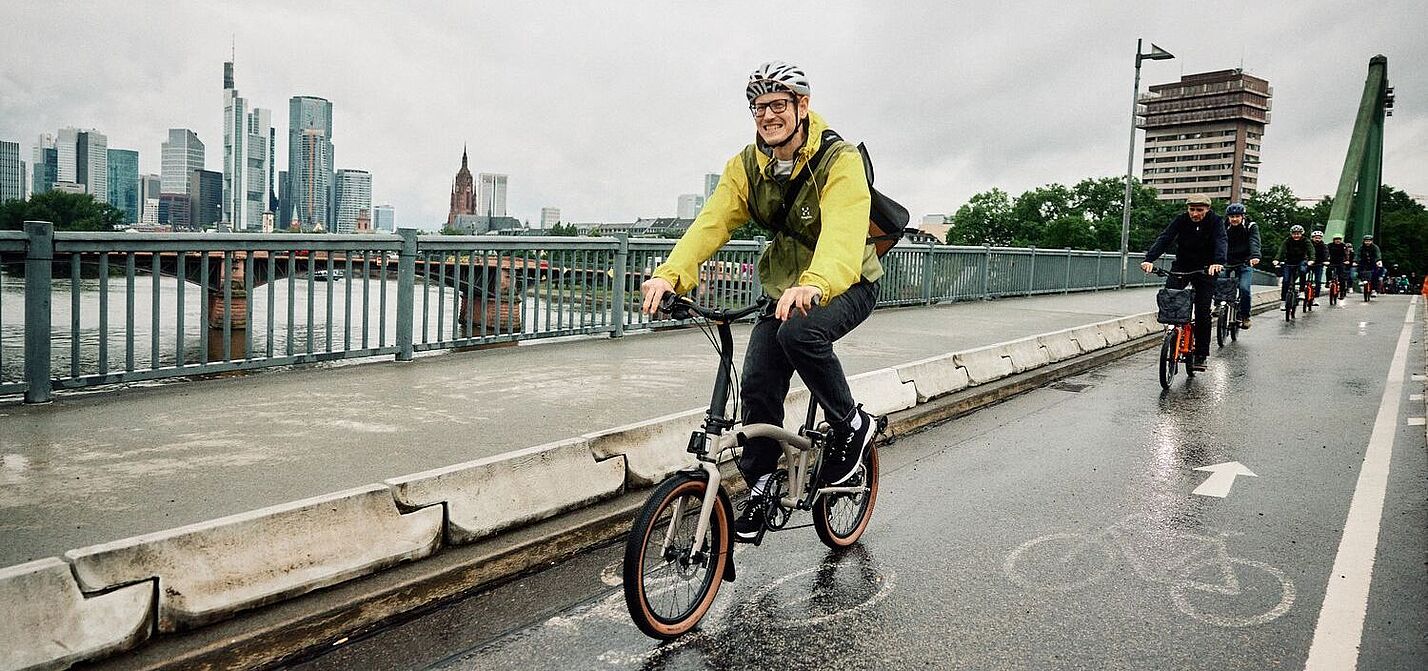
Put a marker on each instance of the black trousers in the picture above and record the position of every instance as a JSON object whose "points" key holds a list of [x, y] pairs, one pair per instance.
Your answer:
{"points": [[803, 344], [1204, 293]]}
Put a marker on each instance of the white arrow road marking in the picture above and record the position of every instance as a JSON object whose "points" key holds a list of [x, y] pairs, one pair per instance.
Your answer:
{"points": [[1222, 477]]}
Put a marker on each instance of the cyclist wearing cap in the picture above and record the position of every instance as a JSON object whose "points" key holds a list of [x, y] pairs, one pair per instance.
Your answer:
{"points": [[1341, 257], [1199, 237], [1370, 265], [1296, 254], [1242, 243], [1321, 259], [819, 267]]}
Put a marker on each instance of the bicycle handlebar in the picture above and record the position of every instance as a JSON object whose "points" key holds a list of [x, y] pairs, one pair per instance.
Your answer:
{"points": [[680, 307], [1168, 273]]}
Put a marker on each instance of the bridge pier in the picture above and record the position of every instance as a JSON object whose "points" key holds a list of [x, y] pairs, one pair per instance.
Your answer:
{"points": [[237, 303], [491, 311]]}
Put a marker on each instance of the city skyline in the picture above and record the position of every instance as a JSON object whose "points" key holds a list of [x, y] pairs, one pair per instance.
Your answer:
{"points": [[998, 116]]}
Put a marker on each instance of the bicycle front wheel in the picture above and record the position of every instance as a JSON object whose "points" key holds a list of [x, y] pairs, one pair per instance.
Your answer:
{"points": [[840, 519], [1222, 325], [670, 576], [1167, 358]]}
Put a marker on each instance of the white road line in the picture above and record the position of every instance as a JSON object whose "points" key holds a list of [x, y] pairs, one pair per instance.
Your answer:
{"points": [[1417, 421], [1415, 397], [1339, 630]]}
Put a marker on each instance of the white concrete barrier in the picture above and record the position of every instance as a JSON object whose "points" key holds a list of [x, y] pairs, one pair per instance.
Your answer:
{"points": [[1089, 338], [934, 376], [653, 448], [209, 570], [882, 391], [1060, 345], [1113, 333], [489, 495], [1139, 325], [49, 624], [985, 364], [1027, 353]]}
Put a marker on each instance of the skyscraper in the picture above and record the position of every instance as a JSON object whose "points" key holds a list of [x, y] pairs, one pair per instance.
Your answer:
{"points": [[247, 158], [491, 195], [149, 190], [354, 196], [384, 218], [124, 183], [310, 163], [205, 199], [711, 180], [1203, 134], [45, 167], [285, 201], [12, 172], [83, 160], [182, 154]]}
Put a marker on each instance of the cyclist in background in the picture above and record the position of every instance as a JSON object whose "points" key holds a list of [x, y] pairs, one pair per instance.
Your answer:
{"points": [[1370, 265], [1321, 259], [1341, 257], [1199, 238], [820, 268], [1296, 253], [1242, 244]]}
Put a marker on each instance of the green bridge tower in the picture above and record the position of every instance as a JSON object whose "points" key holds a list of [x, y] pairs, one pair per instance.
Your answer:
{"points": [[1355, 210]]}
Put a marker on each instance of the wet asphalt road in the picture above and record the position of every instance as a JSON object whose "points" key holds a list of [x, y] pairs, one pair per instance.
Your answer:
{"points": [[1058, 530]]}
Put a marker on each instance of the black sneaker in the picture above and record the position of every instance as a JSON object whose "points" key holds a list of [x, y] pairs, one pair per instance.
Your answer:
{"points": [[749, 527], [845, 450], [1199, 362]]}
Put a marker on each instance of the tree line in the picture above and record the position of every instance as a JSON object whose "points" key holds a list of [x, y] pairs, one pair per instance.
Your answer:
{"points": [[1087, 215]]}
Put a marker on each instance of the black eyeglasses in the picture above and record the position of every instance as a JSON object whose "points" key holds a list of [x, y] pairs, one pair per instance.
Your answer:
{"points": [[776, 106]]}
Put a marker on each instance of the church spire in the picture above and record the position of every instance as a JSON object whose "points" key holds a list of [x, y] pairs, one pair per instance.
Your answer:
{"points": [[463, 156]]}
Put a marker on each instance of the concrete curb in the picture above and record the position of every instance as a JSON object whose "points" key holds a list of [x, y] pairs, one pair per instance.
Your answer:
{"points": [[285, 629]]}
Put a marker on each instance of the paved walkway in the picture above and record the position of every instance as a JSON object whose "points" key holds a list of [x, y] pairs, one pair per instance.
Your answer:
{"points": [[94, 468]]}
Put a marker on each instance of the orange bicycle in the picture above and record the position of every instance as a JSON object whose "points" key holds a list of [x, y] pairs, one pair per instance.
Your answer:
{"points": [[1179, 343]]}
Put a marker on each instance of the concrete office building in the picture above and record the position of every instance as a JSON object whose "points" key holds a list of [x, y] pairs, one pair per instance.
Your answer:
{"points": [[549, 217], [124, 183], [45, 166], [247, 158], [12, 172], [150, 186], [491, 195], [83, 160], [384, 218], [310, 162], [1203, 134], [181, 154], [689, 205], [711, 180], [353, 195]]}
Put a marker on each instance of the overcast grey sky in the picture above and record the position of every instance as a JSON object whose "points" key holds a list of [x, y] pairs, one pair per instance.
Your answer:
{"points": [[610, 110]]}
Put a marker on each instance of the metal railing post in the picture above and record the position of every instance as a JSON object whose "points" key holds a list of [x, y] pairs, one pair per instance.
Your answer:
{"points": [[406, 302], [761, 243], [622, 267], [986, 271], [1097, 285], [1031, 279], [927, 274], [1066, 288], [39, 256]]}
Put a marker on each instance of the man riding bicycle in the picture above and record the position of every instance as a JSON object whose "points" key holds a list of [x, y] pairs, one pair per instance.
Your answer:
{"points": [[1370, 265], [1242, 242], [1341, 257], [1296, 254], [819, 267], [1321, 259], [1199, 237]]}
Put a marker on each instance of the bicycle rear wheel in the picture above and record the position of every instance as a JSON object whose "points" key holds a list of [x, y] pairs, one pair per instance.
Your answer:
{"points": [[671, 577], [840, 519], [1167, 358]]}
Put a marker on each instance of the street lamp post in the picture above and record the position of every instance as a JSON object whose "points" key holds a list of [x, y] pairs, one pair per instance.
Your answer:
{"points": [[1156, 54]]}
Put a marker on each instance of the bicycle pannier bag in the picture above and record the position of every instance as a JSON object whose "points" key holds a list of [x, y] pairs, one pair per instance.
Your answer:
{"points": [[1176, 305], [1225, 288]]}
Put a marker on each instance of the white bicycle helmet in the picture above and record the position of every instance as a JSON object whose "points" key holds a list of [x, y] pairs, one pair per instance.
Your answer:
{"points": [[777, 76]]}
